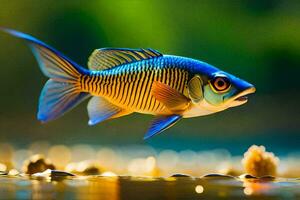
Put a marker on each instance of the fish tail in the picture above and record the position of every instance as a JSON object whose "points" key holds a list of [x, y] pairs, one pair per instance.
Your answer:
{"points": [[62, 91]]}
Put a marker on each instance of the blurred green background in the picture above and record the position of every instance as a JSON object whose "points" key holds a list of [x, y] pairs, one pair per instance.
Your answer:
{"points": [[257, 40]]}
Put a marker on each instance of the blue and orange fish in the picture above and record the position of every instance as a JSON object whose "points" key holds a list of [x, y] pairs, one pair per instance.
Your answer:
{"points": [[122, 81]]}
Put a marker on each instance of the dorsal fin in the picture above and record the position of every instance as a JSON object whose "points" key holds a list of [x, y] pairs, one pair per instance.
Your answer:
{"points": [[106, 58]]}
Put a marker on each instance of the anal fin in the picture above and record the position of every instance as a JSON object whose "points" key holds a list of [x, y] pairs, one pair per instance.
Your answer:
{"points": [[100, 109], [121, 114], [160, 124]]}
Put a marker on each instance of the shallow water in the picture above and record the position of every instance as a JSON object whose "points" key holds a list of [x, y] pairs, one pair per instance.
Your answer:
{"points": [[113, 188]]}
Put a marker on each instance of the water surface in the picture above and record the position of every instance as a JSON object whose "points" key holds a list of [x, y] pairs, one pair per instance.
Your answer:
{"points": [[114, 188]]}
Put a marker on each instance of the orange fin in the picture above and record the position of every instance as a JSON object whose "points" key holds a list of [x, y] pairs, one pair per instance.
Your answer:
{"points": [[169, 96]]}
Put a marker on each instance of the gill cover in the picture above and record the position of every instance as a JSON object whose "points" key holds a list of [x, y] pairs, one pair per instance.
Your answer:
{"points": [[195, 89]]}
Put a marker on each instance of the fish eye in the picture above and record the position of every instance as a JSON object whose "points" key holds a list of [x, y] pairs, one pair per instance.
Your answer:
{"points": [[220, 84]]}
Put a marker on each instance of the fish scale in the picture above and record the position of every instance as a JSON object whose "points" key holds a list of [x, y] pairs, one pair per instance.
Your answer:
{"points": [[133, 83]]}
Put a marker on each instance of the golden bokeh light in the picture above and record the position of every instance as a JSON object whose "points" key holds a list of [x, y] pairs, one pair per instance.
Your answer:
{"points": [[199, 189], [60, 155]]}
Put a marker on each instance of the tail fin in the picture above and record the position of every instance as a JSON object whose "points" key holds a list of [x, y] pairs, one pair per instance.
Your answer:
{"points": [[62, 92]]}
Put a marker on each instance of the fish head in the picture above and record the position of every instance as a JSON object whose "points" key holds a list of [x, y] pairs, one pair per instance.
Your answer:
{"points": [[222, 90], [217, 90]]}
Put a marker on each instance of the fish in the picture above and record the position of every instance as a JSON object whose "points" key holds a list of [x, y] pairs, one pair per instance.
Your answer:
{"points": [[122, 81]]}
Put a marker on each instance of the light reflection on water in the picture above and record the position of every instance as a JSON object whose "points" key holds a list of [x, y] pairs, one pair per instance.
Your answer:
{"points": [[115, 188]]}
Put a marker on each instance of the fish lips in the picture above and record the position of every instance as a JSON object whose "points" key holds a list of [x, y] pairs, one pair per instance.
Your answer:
{"points": [[241, 97]]}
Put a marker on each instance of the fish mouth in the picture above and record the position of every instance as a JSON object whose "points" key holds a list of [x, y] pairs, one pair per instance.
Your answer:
{"points": [[242, 97]]}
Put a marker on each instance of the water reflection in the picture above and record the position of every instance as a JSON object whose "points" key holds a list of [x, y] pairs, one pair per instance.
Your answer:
{"points": [[102, 188], [46, 190], [115, 188]]}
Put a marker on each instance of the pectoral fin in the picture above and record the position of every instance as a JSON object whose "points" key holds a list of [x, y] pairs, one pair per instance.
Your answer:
{"points": [[170, 97], [99, 109], [160, 124]]}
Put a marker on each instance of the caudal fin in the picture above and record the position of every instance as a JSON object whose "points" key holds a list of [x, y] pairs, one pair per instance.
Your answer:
{"points": [[62, 91]]}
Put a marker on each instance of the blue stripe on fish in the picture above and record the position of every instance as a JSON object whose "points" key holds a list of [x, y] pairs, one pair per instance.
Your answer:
{"points": [[160, 124]]}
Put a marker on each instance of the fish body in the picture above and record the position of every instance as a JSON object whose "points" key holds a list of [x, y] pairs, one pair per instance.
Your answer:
{"points": [[123, 81], [129, 85]]}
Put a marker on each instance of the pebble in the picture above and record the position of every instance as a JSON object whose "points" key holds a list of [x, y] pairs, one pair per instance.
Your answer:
{"points": [[37, 163], [3, 173], [217, 176], [52, 174], [247, 176], [180, 175]]}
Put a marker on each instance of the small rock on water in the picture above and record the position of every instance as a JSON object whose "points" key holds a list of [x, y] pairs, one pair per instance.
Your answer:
{"points": [[247, 176], [52, 174], [217, 176], [3, 173], [37, 163], [180, 175], [84, 168]]}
